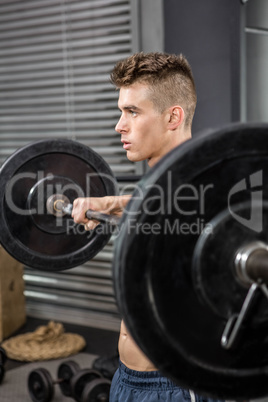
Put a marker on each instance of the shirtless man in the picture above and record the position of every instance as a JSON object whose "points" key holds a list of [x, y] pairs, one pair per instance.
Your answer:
{"points": [[157, 99]]}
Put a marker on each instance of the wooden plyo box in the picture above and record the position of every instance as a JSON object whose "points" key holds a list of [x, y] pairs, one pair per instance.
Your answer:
{"points": [[12, 299]]}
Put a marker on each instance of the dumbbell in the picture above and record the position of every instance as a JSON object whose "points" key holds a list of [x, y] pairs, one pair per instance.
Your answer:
{"points": [[97, 390], [82, 380], [41, 384], [3, 358]]}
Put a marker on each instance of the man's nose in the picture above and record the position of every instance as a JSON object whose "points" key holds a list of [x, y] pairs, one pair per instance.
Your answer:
{"points": [[121, 126]]}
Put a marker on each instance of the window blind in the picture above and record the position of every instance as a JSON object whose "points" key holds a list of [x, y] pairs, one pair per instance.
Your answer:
{"points": [[55, 61]]}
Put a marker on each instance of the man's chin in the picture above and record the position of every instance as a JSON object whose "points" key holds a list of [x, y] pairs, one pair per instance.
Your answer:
{"points": [[132, 157], [135, 160]]}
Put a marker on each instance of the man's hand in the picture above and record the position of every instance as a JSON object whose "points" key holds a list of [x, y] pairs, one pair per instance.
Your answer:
{"points": [[114, 205]]}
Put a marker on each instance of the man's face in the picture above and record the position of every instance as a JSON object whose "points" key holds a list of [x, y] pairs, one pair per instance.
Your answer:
{"points": [[142, 128]]}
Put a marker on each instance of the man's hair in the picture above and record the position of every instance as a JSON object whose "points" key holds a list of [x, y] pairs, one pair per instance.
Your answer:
{"points": [[169, 78]]}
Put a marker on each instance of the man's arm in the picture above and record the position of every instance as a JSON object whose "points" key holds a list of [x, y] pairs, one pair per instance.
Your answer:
{"points": [[113, 205]]}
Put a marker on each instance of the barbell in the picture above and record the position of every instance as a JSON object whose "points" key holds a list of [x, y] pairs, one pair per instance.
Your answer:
{"points": [[191, 252]]}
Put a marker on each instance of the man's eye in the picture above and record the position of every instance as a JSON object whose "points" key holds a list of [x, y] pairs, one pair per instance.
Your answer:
{"points": [[133, 113]]}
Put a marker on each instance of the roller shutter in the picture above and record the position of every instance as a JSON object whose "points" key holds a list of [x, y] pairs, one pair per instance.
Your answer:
{"points": [[55, 60]]}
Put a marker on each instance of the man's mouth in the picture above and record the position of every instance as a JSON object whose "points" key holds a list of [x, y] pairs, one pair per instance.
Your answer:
{"points": [[126, 144]]}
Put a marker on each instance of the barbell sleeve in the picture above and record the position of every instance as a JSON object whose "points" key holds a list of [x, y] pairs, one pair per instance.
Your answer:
{"points": [[251, 263], [257, 266]]}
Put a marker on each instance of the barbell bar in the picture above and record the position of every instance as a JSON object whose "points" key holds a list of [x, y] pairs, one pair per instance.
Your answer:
{"points": [[59, 205]]}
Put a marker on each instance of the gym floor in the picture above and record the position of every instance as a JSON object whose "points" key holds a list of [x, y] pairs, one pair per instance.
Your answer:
{"points": [[98, 341]]}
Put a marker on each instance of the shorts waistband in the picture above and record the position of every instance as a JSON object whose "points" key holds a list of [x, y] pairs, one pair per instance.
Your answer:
{"points": [[150, 379]]}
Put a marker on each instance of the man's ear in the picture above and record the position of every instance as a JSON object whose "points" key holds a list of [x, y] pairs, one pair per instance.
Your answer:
{"points": [[176, 117]]}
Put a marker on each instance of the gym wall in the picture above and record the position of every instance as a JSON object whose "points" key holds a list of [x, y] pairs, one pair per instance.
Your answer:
{"points": [[256, 60], [55, 59], [208, 33], [226, 43]]}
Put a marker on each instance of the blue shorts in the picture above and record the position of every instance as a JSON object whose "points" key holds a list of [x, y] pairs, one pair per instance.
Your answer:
{"points": [[145, 386], [149, 386]]}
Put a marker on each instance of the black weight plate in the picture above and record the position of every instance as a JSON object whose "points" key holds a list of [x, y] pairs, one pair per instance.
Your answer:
{"points": [[40, 385], [66, 371], [32, 174], [97, 391], [178, 326], [213, 254], [80, 380]]}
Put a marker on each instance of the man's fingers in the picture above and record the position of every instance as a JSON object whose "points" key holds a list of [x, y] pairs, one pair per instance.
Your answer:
{"points": [[79, 211], [91, 224]]}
